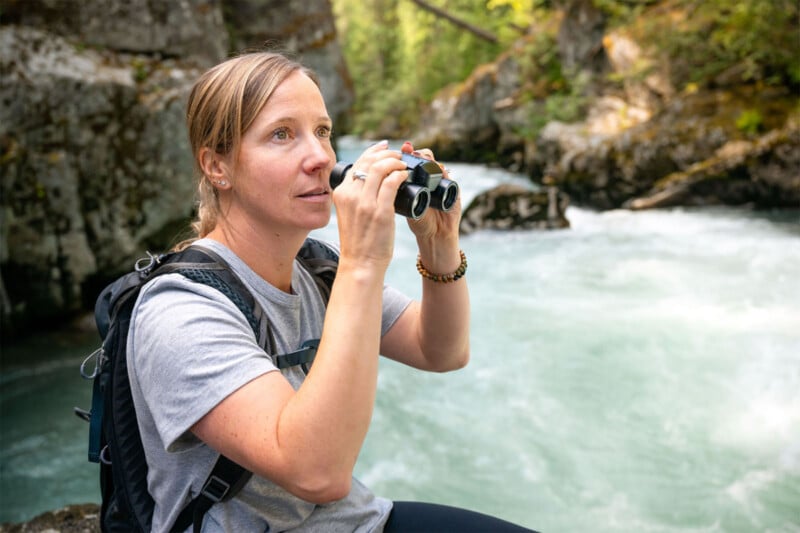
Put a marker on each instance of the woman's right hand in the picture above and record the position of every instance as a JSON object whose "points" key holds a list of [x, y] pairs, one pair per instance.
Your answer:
{"points": [[365, 208]]}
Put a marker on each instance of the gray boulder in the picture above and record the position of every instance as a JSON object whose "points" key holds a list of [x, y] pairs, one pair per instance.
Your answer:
{"points": [[94, 157], [95, 164], [509, 207], [763, 172], [304, 29], [691, 153], [189, 29]]}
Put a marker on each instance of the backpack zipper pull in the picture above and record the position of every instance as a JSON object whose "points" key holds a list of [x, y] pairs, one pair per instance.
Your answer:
{"points": [[144, 265], [97, 355]]}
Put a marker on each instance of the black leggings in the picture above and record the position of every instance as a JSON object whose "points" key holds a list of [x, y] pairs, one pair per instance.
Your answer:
{"points": [[416, 517]]}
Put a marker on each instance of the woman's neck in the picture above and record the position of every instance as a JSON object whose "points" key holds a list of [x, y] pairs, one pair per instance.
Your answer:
{"points": [[271, 256]]}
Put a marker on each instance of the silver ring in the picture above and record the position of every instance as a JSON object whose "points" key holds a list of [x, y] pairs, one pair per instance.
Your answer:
{"points": [[359, 175]]}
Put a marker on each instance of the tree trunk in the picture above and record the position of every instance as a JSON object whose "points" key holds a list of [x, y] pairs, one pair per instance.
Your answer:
{"points": [[483, 34]]}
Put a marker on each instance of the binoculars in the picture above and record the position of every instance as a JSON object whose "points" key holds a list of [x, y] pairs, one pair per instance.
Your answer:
{"points": [[425, 187]]}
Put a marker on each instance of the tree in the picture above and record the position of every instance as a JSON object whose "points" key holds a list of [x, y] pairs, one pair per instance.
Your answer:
{"points": [[483, 34]]}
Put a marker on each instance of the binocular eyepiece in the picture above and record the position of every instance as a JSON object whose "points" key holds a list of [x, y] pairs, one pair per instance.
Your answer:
{"points": [[425, 187]]}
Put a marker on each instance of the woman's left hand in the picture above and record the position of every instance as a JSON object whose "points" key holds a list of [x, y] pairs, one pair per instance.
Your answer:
{"points": [[434, 224], [433, 334]]}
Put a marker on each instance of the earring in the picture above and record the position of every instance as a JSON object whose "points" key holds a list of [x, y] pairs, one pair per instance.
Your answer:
{"points": [[221, 183]]}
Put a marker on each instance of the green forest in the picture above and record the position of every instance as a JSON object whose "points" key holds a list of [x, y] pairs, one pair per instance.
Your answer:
{"points": [[400, 53]]}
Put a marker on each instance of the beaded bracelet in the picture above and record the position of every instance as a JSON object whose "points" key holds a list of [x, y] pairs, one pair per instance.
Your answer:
{"points": [[443, 278]]}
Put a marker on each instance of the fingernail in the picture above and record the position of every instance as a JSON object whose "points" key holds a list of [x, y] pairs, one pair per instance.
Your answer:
{"points": [[382, 142]]}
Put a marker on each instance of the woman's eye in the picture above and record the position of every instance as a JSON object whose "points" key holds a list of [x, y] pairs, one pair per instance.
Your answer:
{"points": [[280, 134], [324, 131]]}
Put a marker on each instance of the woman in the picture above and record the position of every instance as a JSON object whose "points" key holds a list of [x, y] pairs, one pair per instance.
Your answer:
{"points": [[261, 140]]}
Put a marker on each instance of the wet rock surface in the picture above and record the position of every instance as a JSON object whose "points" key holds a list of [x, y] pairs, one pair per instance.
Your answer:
{"points": [[82, 518]]}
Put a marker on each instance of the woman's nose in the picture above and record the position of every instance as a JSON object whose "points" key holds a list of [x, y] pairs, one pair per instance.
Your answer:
{"points": [[320, 154]]}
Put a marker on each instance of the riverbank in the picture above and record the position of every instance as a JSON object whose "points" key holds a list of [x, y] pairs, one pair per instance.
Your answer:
{"points": [[79, 518]]}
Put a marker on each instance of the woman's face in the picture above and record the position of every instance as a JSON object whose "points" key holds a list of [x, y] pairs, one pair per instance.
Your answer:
{"points": [[281, 179]]}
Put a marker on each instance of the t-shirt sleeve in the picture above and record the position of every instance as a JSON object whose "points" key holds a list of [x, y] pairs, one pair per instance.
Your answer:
{"points": [[394, 303], [189, 347]]}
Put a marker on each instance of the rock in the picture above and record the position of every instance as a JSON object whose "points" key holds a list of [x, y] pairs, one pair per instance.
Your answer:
{"points": [[462, 119], [493, 116], [508, 207], [305, 29], [580, 38], [673, 156], [765, 172], [94, 156], [83, 518], [645, 80], [189, 29], [95, 164]]}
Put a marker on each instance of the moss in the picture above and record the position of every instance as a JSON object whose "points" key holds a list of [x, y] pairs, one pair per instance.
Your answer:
{"points": [[141, 69], [750, 121]]}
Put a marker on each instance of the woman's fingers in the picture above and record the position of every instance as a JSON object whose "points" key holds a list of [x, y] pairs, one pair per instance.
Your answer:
{"points": [[424, 153], [365, 203], [379, 171], [388, 191]]}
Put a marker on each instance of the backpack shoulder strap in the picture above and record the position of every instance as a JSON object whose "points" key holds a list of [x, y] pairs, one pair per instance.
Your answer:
{"points": [[207, 267], [223, 483], [227, 478], [321, 260], [112, 403]]}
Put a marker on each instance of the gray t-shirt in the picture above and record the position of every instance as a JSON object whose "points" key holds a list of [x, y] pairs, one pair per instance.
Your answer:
{"points": [[189, 347]]}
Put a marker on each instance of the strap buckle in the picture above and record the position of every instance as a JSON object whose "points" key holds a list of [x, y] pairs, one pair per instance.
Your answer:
{"points": [[215, 489]]}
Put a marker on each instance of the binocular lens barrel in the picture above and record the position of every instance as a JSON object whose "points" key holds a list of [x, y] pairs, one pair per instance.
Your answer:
{"points": [[412, 200], [445, 195], [338, 172]]}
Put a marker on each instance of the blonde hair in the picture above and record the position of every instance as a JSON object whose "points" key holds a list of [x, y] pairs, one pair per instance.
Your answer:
{"points": [[222, 105]]}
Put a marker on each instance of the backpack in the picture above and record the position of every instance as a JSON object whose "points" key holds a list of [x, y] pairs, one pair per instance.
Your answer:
{"points": [[114, 439]]}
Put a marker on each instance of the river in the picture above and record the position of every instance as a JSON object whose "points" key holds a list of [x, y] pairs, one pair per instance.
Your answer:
{"points": [[637, 372]]}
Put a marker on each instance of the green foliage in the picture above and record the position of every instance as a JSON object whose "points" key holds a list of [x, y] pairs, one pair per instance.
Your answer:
{"points": [[568, 105], [400, 55], [620, 13], [541, 66], [141, 69], [750, 121], [549, 92], [753, 40]]}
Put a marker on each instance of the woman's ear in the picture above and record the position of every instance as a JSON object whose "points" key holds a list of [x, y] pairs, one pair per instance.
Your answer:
{"points": [[214, 168]]}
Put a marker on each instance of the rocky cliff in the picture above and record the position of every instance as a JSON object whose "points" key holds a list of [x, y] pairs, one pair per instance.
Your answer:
{"points": [[622, 135], [94, 159]]}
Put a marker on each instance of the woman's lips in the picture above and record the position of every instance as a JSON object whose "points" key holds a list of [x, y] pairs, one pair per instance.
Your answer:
{"points": [[315, 194]]}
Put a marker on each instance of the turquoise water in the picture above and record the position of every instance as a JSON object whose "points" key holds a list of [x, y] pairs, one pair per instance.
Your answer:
{"points": [[637, 372]]}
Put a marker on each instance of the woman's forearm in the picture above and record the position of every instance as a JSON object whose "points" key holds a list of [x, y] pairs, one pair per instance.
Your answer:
{"points": [[332, 410], [444, 310]]}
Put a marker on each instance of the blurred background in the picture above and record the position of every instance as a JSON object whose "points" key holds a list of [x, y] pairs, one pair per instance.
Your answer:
{"points": [[631, 173]]}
